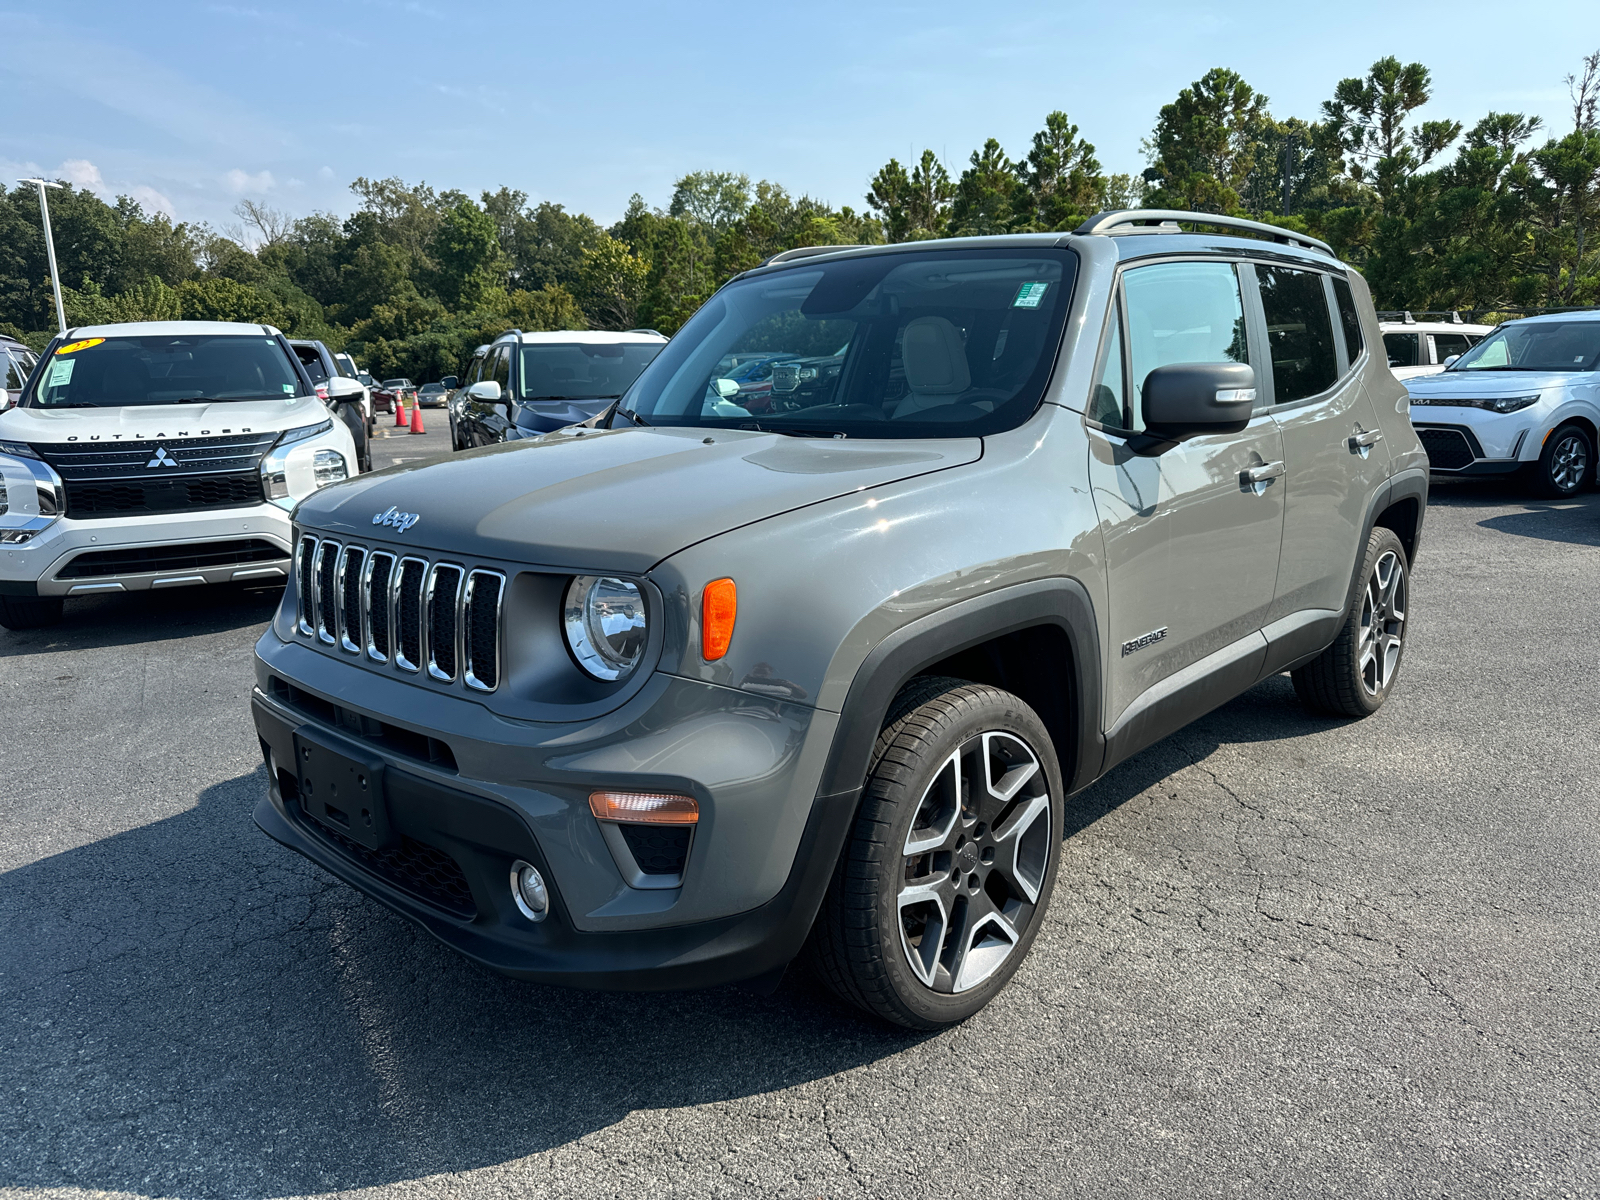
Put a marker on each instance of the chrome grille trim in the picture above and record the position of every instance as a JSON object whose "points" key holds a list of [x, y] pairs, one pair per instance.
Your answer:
{"points": [[400, 632], [443, 649], [471, 639], [304, 573], [382, 603], [327, 619], [347, 594], [439, 618]]}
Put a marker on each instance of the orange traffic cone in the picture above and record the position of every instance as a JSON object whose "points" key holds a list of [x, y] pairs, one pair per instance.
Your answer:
{"points": [[416, 418], [399, 413]]}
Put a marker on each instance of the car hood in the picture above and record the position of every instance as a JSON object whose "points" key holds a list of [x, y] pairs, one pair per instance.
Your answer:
{"points": [[154, 422], [1490, 384], [614, 500]]}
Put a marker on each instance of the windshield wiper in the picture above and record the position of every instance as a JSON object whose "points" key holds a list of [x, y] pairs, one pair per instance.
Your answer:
{"points": [[535, 399], [792, 432]]}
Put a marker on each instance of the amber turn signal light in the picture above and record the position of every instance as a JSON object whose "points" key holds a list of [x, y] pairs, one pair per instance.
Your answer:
{"points": [[645, 808], [718, 605]]}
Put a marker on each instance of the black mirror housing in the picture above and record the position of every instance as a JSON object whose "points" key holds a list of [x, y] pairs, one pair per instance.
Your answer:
{"points": [[1185, 400]]}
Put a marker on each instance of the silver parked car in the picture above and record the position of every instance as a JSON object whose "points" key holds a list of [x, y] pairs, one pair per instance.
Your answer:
{"points": [[662, 700]]}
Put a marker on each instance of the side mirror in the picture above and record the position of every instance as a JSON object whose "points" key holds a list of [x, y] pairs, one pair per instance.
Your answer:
{"points": [[725, 388], [488, 391], [1450, 359], [340, 388], [1186, 400], [450, 382]]}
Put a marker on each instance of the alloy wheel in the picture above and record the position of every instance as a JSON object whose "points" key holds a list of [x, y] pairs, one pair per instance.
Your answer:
{"points": [[1569, 462], [1383, 623], [975, 860]]}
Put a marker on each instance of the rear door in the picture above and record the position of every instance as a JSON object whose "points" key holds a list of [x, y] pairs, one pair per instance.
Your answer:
{"points": [[1191, 542], [1334, 454]]}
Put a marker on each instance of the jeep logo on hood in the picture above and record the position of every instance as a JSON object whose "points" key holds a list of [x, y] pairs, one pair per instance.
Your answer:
{"points": [[401, 521]]}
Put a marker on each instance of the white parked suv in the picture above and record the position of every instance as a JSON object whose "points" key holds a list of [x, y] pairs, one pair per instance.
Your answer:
{"points": [[1422, 347], [158, 454], [1526, 398]]}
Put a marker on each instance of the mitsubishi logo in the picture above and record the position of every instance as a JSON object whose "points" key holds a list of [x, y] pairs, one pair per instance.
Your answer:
{"points": [[162, 459]]}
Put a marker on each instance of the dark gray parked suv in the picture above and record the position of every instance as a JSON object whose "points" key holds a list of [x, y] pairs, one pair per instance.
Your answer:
{"points": [[663, 701]]}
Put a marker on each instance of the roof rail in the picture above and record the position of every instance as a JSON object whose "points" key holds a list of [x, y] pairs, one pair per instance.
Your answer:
{"points": [[806, 252], [657, 332], [1165, 220]]}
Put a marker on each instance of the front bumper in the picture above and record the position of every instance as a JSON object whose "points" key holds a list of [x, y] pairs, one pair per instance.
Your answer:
{"points": [[450, 874], [34, 568]]}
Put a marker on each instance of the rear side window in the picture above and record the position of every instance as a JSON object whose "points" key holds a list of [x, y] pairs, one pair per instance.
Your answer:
{"points": [[312, 361], [1348, 317], [1446, 344], [1403, 349], [1299, 333], [1181, 312]]}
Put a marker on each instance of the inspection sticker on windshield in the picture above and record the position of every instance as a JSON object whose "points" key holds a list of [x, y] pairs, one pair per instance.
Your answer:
{"points": [[74, 347], [1030, 295]]}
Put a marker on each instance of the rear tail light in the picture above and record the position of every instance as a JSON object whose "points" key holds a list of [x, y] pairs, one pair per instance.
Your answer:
{"points": [[322, 391]]}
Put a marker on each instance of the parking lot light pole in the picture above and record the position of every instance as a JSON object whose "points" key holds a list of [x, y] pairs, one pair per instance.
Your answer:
{"points": [[50, 246]]}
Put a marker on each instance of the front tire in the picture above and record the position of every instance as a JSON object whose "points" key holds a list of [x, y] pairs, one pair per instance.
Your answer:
{"points": [[1354, 676], [943, 884], [29, 612], [1566, 464]]}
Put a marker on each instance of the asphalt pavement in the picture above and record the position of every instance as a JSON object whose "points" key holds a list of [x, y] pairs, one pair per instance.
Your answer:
{"points": [[1287, 956]]}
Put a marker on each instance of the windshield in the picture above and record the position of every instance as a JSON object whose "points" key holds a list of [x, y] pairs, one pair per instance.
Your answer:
{"points": [[1536, 346], [942, 343], [397, 383], [583, 370], [118, 372]]}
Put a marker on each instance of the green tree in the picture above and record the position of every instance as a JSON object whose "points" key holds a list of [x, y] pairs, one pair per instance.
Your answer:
{"points": [[1562, 192], [611, 283], [465, 245], [1368, 118], [711, 200], [1063, 176], [1205, 144], [912, 205]]}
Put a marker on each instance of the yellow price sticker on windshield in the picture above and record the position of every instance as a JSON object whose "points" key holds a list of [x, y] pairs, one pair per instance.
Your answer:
{"points": [[74, 347]]}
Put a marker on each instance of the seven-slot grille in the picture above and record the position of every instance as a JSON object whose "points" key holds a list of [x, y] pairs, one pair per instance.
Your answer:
{"points": [[402, 610]]}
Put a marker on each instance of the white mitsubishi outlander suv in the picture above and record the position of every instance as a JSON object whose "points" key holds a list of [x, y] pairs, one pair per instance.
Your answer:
{"points": [[158, 454]]}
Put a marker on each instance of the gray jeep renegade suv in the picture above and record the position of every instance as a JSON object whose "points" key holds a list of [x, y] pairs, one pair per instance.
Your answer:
{"points": [[661, 701]]}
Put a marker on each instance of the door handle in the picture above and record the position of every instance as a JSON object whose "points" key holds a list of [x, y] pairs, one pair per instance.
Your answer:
{"points": [[1262, 473], [1364, 441]]}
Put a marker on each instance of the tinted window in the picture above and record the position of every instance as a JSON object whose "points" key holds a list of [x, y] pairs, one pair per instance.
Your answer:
{"points": [[1403, 349], [1446, 344], [313, 363], [1187, 312], [119, 371], [1299, 332], [583, 370], [500, 366], [1349, 318], [17, 369], [920, 343], [1106, 401]]}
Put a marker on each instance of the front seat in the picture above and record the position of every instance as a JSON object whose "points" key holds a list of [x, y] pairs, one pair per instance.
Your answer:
{"points": [[935, 362]]}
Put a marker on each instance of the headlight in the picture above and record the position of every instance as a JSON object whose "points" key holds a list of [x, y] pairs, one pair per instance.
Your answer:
{"points": [[1499, 404], [605, 625], [5, 496], [329, 467], [18, 449], [305, 431]]}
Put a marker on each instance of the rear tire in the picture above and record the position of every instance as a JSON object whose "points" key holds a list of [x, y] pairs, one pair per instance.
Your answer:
{"points": [[29, 612], [1566, 464], [943, 885], [1354, 676]]}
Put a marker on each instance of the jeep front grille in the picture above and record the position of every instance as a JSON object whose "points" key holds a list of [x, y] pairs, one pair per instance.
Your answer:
{"points": [[440, 619]]}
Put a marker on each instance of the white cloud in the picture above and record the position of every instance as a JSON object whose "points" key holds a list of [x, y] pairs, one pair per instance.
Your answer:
{"points": [[83, 175], [153, 201], [239, 182], [325, 174]]}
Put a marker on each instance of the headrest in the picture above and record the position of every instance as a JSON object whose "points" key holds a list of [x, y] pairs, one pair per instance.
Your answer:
{"points": [[934, 358]]}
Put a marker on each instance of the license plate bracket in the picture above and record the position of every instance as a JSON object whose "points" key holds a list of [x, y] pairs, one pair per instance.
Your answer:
{"points": [[342, 788]]}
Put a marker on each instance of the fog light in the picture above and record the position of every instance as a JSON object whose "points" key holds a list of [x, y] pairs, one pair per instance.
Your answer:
{"points": [[528, 890]]}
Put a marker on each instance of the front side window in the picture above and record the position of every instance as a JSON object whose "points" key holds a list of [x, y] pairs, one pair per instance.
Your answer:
{"points": [[1299, 332], [583, 370], [1446, 344], [927, 343], [1403, 349], [312, 361], [500, 367], [120, 372], [1181, 312], [1536, 346], [19, 364]]}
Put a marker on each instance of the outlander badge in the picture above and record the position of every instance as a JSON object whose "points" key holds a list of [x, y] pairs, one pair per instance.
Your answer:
{"points": [[400, 521]]}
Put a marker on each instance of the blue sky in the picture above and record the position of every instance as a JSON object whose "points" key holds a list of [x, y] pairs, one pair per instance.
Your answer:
{"points": [[190, 107]]}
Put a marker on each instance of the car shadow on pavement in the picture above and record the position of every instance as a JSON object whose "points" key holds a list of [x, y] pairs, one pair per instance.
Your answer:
{"points": [[189, 1009], [92, 622]]}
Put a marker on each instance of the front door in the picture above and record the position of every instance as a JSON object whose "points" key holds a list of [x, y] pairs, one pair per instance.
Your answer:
{"points": [[1191, 536]]}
